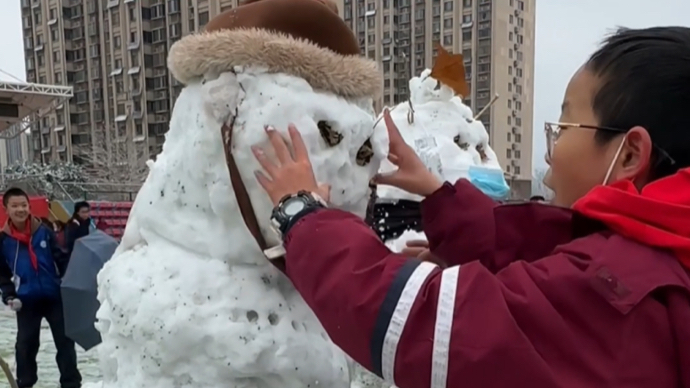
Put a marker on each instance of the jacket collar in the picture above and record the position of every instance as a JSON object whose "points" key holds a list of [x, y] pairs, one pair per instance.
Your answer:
{"points": [[35, 224]]}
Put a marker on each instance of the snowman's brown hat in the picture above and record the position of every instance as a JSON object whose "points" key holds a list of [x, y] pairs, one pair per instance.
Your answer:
{"points": [[304, 38]]}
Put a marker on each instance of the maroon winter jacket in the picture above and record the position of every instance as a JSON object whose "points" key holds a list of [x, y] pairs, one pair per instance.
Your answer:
{"points": [[536, 296]]}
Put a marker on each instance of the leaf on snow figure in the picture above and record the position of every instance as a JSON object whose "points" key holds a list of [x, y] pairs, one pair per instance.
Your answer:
{"points": [[449, 69]]}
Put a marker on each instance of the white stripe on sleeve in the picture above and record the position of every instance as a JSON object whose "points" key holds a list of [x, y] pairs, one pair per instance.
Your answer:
{"points": [[444, 324], [399, 318]]}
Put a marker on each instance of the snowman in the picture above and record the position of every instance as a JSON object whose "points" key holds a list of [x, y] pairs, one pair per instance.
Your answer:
{"points": [[189, 299], [448, 138]]}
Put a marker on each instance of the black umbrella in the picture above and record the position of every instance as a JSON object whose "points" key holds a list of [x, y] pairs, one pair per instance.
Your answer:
{"points": [[79, 288]]}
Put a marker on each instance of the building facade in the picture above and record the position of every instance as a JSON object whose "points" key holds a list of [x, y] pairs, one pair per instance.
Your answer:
{"points": [[496, 38], [114, 53]]}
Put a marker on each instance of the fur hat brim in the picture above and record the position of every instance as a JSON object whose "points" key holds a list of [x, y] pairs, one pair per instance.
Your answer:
{"points": [[217, 52]]}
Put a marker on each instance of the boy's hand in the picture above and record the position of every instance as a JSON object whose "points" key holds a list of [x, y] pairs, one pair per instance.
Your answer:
{"points": [[15, 304]]}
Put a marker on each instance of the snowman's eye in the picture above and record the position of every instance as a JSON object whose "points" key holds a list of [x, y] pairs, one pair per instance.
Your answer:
{"points": [[365, 153], [329, 135], [464, 145]]}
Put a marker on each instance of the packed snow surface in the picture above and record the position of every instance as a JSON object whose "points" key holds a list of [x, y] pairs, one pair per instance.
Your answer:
{"points": [[442, 131], [188, 300], [400, 243]]}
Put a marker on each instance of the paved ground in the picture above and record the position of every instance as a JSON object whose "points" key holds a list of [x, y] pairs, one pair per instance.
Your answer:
{"points": [[48, 376]]}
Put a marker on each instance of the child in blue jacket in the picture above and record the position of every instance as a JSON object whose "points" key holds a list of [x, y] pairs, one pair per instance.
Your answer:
{"points": [[31, 265]]}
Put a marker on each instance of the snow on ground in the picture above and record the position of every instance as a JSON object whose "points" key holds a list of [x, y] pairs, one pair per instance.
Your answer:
{"points": [[188, 300], [48, 375]]}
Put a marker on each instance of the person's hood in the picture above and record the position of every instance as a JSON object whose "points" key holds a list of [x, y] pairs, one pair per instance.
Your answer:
{"points": [[35, 224], [658, 215]]}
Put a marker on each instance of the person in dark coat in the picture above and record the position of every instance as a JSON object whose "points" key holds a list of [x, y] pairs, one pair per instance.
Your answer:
{"points": [[78, 226], [31, 265], [593, 291]]}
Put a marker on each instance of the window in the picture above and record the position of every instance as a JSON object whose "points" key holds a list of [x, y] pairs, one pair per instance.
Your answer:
{"points": [[54, 34], [133, 37], [467, 18], [53, 13], [466, 35], [516, 169], [57, 77], [56, 56], [518, 121], [117, 42], [116, 16], [448, 6], [448, 40], [176, 27], [467, 3], [132, 13], [203, 19], [509, 153], [118, 63], [510, 119]]}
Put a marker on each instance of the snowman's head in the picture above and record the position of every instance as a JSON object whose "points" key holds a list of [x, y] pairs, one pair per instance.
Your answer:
{"points": [[445, 135], [243, 74]]}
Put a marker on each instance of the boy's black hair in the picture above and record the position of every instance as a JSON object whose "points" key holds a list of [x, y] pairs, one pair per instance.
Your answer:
{"points": [[645, 81], [13, 192], [80, 205], [537, 198]]}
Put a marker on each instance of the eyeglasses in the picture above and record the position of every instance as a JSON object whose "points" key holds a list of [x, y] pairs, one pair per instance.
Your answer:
{"points": [[553, 131]]}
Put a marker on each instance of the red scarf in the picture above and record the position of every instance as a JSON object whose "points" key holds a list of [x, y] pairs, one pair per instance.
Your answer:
{"points": [[24, 237], [658, 215]]}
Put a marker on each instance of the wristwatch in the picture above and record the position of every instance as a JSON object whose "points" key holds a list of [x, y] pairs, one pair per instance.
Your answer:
{"points": [[293, 207]]}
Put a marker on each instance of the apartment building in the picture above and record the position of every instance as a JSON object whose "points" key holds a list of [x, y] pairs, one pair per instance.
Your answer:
{"points": [[114, 54], [496, 38]]}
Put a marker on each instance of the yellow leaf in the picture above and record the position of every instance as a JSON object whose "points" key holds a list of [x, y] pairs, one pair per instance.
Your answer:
{"points": [[449, 70]]}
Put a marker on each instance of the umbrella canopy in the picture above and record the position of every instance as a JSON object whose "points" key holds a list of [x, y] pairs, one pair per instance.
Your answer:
{"points": [[79, 287]]}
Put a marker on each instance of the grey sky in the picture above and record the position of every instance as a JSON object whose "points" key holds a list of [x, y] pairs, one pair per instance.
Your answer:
{"points": [[567, 32]]}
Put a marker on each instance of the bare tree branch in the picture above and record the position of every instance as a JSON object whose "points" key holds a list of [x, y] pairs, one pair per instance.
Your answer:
{"points": [[114, 160]]}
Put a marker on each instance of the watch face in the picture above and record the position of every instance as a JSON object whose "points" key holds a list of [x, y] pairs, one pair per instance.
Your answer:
{"points": [[293, 206]]}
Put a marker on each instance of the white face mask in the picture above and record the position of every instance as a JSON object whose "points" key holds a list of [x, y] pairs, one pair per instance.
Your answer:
{"points": [[613, 162]]}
